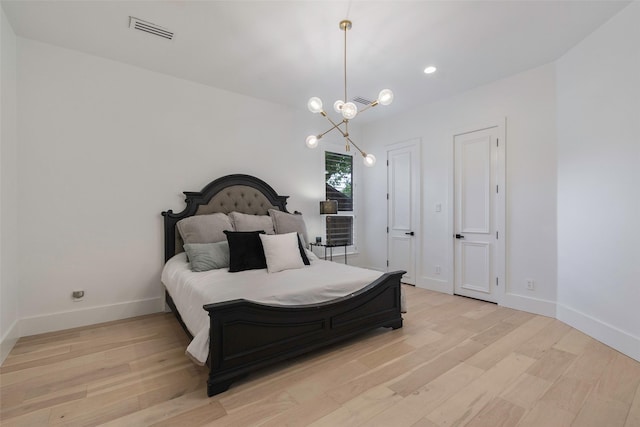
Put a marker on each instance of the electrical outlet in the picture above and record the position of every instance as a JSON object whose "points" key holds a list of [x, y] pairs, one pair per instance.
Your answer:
{"points": [[530, 284], [437, 269]]}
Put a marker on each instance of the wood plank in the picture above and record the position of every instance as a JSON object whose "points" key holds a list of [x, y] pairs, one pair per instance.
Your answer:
{"points": [[161, 412], [385, 355], [195, 417], [541, 342], [34, 418], [602, 411], [261, 411], [424, 422], [360, 409], [568, 394], [422, 337], [353, 388], [455, 361], [526, 391], [421, 402], [314, 386], [497, 413], [633, 417], [552, 364], [493, 333], [304, 413], [19, 410], [590, 365], [488, 357], [47, 351], [574, 342], [547, 415], [620, 379], [464, 405], [434, 368]]}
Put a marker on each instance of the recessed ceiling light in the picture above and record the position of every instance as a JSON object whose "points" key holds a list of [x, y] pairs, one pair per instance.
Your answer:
{"points": [[430, 69]]}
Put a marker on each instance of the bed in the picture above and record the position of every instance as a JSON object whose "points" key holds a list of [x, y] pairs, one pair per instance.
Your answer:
{"points": [[245, 335]]}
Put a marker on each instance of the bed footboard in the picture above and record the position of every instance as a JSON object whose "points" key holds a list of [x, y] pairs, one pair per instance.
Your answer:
{"points": [[245, 336]]}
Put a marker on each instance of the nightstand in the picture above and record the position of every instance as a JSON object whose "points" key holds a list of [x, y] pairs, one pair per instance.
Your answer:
{"points": [[330, 246]]}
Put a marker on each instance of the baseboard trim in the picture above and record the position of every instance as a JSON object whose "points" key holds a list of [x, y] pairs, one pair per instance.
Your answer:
{"points": [[9, 340], [436, 285], [529, 304], [89, 316], [608, 334]]}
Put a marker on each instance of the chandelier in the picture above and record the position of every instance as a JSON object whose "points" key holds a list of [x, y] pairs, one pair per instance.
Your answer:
{"points": [[348, 110]]}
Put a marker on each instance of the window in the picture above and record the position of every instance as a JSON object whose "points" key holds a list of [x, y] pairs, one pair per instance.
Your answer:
{"points": [[340, 230], [339, 187]]}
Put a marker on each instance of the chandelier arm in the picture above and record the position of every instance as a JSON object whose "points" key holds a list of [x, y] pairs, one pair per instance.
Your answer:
{"points": [[373, 104], [358, 148], [335, 126]]}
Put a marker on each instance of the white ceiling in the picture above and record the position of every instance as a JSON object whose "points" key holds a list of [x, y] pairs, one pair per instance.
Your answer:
{"points": [[287, 51]]}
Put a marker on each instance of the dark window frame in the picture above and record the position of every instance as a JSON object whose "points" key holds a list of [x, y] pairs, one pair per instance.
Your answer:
{"points": [[340, 228]]}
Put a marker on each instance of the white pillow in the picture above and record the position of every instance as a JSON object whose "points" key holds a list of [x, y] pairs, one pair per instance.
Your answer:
{"points": [[281, 252]]}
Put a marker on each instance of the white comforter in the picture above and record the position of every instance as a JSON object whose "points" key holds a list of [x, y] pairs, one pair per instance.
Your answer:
{"points": [[319, 282]]}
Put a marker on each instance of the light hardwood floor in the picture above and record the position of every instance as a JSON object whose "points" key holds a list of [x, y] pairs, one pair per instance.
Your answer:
{"points": [[456, 362]]}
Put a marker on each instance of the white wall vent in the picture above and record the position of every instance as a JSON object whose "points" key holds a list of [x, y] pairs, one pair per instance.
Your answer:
{"points": [[148, 27], [361, 100]]}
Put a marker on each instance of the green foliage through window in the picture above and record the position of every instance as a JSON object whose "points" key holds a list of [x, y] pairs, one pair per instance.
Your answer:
{"points": [[339, 179]]}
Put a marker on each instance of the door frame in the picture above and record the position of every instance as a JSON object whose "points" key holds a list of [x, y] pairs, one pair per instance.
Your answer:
{"points": [[500, 208], [417, 247]]}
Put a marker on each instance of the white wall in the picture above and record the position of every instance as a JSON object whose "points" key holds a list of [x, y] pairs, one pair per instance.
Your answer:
{"points": [[599, 183], [9, 331], [527, 100], [104, 148]]}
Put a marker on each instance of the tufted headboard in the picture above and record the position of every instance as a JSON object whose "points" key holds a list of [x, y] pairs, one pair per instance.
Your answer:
{"points": [[240, 193]]}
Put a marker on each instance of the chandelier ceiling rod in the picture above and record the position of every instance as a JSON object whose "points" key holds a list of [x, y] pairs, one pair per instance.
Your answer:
{"points": [[347, 108], [345, 26]]}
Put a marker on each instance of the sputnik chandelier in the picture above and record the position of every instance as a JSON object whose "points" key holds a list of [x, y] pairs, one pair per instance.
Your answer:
{"points": [[349, 110]]}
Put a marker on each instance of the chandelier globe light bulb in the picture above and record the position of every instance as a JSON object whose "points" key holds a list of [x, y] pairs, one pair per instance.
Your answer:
{"points": [[315, 105], [385, 97], [349, 110], [311, 141], [369, 160], [337, 106]]}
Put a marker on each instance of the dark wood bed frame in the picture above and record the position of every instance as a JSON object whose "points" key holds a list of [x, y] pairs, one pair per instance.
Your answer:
{"points": [[245, 336]]}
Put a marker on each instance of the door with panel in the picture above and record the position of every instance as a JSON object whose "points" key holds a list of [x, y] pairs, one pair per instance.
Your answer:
{"points": [[476, 232], [403, 208]]}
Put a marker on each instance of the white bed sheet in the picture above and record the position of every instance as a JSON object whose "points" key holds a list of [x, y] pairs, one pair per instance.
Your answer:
{"points": [[321, 281]]}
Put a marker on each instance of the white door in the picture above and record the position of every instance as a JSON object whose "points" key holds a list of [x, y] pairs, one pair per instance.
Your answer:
{"points": [[475, 211], [403, 208]]}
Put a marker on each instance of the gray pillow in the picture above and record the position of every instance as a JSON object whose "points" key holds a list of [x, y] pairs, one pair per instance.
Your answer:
{"points": [[207, 256], [244, 222], [204, 228], [284, 222]]}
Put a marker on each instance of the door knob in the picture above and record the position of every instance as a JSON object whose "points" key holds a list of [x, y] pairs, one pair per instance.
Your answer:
{"points": [[411, 233], [459, 236]]}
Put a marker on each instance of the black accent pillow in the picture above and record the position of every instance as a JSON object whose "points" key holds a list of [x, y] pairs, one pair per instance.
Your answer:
{"points": [[303, 254], [245, 251]]}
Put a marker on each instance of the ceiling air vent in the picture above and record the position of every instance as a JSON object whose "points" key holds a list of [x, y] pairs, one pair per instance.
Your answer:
{"points": [[148, 27], [362, 100]]}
